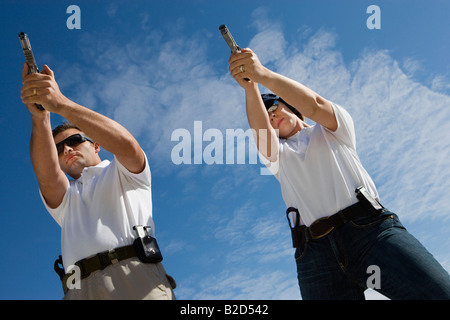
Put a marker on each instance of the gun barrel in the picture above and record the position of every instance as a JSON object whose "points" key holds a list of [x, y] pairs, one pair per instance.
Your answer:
{"points": [[228, 38], [29, 57]]}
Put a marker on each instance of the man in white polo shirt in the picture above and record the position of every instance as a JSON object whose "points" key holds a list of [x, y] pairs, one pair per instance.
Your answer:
{"points": [[339, 228], [106, 204]]}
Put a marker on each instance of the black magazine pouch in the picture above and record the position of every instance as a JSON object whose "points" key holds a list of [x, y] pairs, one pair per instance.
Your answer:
{"points": [[147, 249]]}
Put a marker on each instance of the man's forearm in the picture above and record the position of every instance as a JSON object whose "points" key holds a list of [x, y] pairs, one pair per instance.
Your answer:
{"points": [[112, 136], [44, 158], [43, 153]]}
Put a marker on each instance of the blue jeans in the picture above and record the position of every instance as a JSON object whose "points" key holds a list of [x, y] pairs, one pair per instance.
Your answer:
{"points": [[338, 266]]}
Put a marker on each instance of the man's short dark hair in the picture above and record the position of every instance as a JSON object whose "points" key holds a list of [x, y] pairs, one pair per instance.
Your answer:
{"points": [[63, 127]]}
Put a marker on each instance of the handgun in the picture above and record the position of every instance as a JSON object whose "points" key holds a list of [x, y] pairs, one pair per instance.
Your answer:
{"points": [[229, 38], [29, 57], [230, 41]]}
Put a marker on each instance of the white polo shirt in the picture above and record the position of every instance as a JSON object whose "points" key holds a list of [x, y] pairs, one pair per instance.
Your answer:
{"points": [[319, 170], [100, 208]]}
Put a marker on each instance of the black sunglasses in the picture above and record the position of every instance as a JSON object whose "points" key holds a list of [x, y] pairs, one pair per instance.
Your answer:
{"points": [[71, 141]]}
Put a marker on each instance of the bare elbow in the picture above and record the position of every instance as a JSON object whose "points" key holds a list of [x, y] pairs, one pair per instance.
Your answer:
{"points": [[132, 158]]}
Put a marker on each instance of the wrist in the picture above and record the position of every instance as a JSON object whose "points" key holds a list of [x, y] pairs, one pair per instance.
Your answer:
{"points": [[40, 118], [251, 87], [41, 124], [266, 76], [65, 108]]}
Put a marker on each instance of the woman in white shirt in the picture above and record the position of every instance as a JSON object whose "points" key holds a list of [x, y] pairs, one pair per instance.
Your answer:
{"points": [[339, 233]]}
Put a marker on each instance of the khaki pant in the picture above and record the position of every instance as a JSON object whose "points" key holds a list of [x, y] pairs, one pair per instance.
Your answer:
{"points": [[127, 279]]}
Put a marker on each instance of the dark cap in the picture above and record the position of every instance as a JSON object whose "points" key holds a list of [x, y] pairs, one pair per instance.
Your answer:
{"points": [[270, 98]]}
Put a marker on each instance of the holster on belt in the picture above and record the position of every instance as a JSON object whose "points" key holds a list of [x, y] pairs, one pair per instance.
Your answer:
{"points": [[298, 232], [366, 206]]}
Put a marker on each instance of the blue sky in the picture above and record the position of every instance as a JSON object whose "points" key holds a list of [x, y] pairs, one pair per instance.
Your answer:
{"points": [[158, 66]]}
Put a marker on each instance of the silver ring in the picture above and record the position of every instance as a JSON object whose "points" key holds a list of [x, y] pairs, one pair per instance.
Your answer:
{"points": [[242, 68]]}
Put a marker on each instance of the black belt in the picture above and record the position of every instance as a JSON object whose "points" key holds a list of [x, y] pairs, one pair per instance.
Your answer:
{"points": [[100, 261], [323, 226], [104, 259]]}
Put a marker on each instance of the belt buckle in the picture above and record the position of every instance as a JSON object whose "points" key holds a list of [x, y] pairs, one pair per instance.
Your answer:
{"points": [[311, 227], [113, 256]]}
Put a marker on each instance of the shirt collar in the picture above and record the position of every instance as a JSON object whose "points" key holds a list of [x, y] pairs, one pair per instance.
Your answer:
{"points": [[94, 169]]}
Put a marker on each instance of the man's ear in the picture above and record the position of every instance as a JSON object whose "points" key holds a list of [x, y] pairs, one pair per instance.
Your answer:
{"points": [[96, 147]]}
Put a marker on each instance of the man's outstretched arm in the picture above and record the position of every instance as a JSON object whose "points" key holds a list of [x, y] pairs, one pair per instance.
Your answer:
{"points": [[108, 133]]}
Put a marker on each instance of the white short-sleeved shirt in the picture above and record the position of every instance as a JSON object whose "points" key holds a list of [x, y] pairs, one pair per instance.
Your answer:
{"points": [[100, 208], [319, 170]]}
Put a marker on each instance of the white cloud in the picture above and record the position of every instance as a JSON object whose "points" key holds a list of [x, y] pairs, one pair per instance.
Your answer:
{"points": [[440, 84]]}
